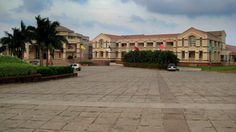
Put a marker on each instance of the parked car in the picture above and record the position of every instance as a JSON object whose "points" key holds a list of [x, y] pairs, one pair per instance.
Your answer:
{"points": [[171, 67], [35, 62], [76, 66]]}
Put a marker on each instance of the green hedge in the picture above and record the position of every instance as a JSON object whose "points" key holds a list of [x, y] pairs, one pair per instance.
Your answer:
{"points": [[12, 66], [11, 59], [16, 69], [150, 59], [54, 70], [142, 65], [85, 62]]}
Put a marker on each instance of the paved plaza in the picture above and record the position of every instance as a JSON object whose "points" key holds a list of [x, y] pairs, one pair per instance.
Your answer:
{"points": [[120, 99]]}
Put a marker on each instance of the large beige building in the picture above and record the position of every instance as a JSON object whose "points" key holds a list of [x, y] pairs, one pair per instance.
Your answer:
{"points": [[72, 51], [192, 46]]}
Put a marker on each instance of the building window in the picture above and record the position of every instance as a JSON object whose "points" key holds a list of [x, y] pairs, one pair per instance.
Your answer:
{"points": [[200, 41], [200, 55], [140, 44], [101, 54], [183, 55], [96, 54], [59, 55], [149, 44], [191, 55], [192, 40], [169, 44], [132, 44], [117, 53], [182, 41], [101, 43], [106, 53], [123, 45]]}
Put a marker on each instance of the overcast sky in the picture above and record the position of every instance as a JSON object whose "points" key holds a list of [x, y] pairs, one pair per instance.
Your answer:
{"points": [[91, 17]]}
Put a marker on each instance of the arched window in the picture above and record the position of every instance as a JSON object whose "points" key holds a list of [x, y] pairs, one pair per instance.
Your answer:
{"points": [[192, 40], [101, 43]]}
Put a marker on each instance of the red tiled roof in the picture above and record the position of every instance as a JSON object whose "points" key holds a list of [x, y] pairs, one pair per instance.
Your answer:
{"points": [[140, 36], [214, 34], [231, 48]]}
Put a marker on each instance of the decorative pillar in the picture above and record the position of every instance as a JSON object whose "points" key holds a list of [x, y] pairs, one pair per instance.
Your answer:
{"points": [[127, 45], [98, 54], [26, 53], [145, 44], [119, 45], [64, 52], [119, 54], [94, 55], [196, 55], [155, 44], [186, 55]]}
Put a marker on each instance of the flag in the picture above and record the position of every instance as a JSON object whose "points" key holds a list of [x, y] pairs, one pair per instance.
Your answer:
{"points": [[136, 48], [82, 47], [162, 46]]}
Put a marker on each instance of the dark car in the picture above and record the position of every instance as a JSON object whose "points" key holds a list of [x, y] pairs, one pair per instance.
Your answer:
{"points": [[171, 67]]}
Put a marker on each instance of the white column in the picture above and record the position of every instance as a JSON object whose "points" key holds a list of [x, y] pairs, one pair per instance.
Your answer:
{"points": [[64, 52], [119, 54], [136, 44], [128, 45], [98, 54], [94, 55], [26, 53], [119, 45], [104, 54], [154, 44], [186, 55], [145, 44], [196, 55]]}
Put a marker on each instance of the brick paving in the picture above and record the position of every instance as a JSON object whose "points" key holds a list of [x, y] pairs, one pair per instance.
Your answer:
{"points": [[119, 99]]}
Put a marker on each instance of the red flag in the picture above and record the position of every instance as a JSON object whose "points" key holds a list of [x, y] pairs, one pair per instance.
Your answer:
{"points": [[162, 46], [136, 48]]}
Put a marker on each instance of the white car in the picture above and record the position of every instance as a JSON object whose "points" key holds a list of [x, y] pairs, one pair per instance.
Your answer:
{"points": [[76, 66]]}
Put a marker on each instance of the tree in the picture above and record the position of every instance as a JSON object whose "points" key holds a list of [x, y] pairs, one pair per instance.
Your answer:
{"points": [[46, 37], [15, 42], [39, 35], [53, 40]]}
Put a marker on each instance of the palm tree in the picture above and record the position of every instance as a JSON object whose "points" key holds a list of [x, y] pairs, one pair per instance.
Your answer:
{"points": [[15, 42], [46, 37], [39, 35], [54, 41]]}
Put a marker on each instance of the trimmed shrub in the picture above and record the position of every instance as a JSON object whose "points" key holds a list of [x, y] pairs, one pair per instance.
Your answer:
{"points": [[12, 66], [11, 59], [149, 59], [54, 70], [16, 69], [85, 62]]}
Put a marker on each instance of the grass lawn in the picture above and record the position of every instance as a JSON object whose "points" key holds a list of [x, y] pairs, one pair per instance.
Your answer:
{"points": [[217, 68]]}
